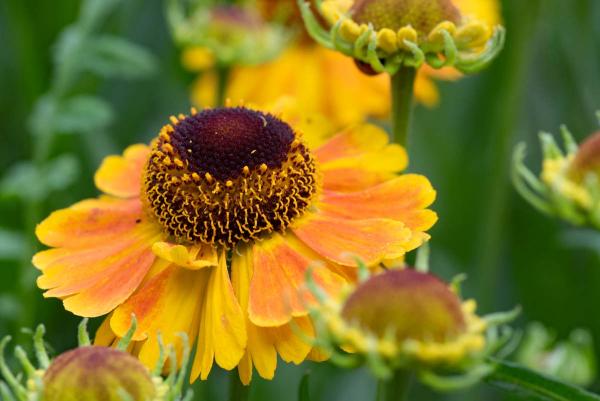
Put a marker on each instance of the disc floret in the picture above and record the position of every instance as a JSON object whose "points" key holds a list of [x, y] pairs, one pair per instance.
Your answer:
{"points": [[229, 175], [389, 34]]}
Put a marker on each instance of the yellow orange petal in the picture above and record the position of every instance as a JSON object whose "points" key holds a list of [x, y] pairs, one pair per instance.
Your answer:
{"points": [[260, 351], [359, 158], [121, 176], [265, 342], [222, 334], [192, 257], [340, 240], [403, 198], [85, 277], [277, 290], [168, 303], [90, 222]]}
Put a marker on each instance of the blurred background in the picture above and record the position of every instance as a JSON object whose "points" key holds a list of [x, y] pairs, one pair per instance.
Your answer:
{"points": [[548, 74]]}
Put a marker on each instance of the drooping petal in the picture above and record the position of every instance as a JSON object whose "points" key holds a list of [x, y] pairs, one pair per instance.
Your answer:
{"points": [[100, 243], [168, 302], [341, 240], [265, 342], [192, 257], [359, 158], [222, 336], [404, 198], [277, 291], [121, 176]]}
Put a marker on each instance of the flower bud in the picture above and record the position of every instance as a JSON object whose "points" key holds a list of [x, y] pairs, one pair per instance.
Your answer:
{"points": [[97, 374], [410, 304]]}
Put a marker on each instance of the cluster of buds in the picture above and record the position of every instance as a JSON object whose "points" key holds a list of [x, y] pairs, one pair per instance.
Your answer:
{"points": [[569, 184], [406, 319], [91, 373], [385, 35], [224, 35]]}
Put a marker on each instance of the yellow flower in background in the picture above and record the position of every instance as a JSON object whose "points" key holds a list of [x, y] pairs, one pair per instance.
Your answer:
{"points": [[323, 80], [210, 231]]}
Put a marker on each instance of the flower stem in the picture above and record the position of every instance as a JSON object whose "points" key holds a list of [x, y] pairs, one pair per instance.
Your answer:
{"points": [[402, 101], [395, 388], [237, 390], [223, 73]]}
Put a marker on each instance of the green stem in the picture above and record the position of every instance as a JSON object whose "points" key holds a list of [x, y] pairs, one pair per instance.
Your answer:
{"points": [[223, 73], [394, 389], [237, 390], [402, 101]]}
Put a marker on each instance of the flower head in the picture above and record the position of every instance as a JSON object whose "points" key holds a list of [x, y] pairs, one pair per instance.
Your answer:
{"points": [[210, 230], [388, 34], [90, 373], [568, 186], [404, 319]]}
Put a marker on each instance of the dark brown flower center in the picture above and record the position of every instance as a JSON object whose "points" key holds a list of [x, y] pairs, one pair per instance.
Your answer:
{"points": [[228, 175]]}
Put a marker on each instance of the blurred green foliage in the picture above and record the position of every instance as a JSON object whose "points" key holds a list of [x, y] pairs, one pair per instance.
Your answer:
{"points": [[549, 74]]}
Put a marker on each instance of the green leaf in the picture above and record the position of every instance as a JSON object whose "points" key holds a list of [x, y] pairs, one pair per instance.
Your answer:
{"points": [[83, 114], [111, 56], [303, 389], [12, 244], [517, 379]]}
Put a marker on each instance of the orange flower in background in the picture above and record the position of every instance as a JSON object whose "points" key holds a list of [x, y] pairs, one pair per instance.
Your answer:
{"points": [[325, 81], [210, 231]]}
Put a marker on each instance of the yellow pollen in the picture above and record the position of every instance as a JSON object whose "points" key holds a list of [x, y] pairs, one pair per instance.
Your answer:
{"points": [[167, 147], [263, 168], [181, 116], [178, 162], [246, 170], [174, 120], [229, 183], [208, 177], [195, 177], [193, 111]]}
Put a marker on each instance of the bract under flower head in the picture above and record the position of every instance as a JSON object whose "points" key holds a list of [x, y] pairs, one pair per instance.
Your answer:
{"points": [[389, 34], [97, 374]]}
